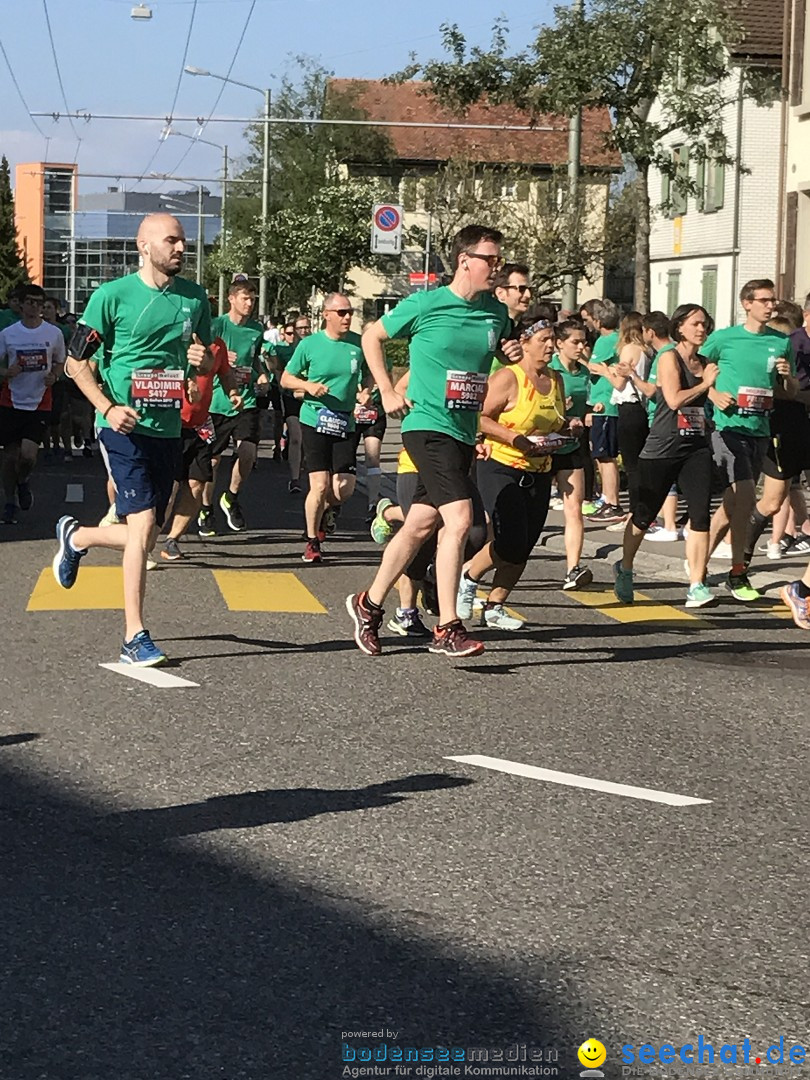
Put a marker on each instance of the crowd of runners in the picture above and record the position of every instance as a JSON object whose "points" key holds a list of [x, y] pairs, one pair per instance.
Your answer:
{"points": [[507, 407]]}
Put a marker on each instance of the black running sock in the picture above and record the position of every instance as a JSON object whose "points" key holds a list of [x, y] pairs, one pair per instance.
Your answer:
{"points": [[756, 527], [206, 509], [370, 604], [802, 589]]}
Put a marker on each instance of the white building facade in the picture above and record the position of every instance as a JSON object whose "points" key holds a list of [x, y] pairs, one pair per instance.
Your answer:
{"points": [[706, 245], [796, 248]]}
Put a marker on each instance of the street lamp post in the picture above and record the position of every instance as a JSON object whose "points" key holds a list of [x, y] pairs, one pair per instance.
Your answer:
{"points": [[191, 70]]}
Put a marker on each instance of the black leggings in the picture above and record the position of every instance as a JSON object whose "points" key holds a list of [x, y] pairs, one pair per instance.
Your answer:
{"points": [[476, 538], [632, 430], [517, 502], [694, 477]]}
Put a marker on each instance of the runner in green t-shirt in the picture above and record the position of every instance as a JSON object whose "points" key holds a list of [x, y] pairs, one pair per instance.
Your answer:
{"points": [[243, 337], [755, 364], [156, 328], [329, 369], [603, 416], [453, 334], [572, 464]]}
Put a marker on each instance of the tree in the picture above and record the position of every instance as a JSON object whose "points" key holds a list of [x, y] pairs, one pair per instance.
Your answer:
{"points": [[13, 270], [527, 207], [319, 218], [622, 55]]}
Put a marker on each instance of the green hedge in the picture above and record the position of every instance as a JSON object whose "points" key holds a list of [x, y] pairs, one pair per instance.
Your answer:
{"points": [[397, 353]]}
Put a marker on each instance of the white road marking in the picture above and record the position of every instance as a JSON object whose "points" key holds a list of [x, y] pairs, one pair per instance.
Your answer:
{"points": [[74, 493], [573, 780], [154, 676]]}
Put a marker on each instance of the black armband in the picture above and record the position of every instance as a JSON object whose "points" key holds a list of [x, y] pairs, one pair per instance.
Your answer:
{"points": [[84, 342]]}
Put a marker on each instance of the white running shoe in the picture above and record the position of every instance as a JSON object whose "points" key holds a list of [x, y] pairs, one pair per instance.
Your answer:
{"points": [[662, 536], [498, 618], [722, 551], [466, 595]]}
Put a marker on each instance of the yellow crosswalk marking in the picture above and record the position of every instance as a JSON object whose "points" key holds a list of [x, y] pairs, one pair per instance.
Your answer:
{"points": [[266, 590], [97, 588], [643, 610]]}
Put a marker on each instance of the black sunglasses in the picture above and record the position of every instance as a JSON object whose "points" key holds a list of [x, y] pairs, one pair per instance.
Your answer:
{"points": [[341, 311], [520, 288]]}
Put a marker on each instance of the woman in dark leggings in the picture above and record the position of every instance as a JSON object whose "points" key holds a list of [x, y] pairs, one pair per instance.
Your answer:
{"points": [[677, 450], [524, 407]]}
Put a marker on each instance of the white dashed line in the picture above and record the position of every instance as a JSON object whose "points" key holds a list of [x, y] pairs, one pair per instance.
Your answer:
{"points": [[154, 676], [572, 780], [74, 493]]}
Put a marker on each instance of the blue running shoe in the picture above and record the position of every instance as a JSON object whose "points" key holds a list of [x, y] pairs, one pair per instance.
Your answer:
{"points": [[623, 583], [141, 651], [66, 560]]}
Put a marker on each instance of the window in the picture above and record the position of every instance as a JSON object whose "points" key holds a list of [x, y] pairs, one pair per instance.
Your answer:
{"points": [[709, 290], [711, 185], [508, 189], [673, 289]]}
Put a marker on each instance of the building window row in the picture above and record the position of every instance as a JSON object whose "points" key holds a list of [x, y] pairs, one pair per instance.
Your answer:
{"points": [[709, 183]]}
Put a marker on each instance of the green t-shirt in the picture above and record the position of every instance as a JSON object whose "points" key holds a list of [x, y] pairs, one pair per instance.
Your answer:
{"points": [[7, 318], [340, 366], [575, 386], [452, 341], [282, 353], [146, 329], [652, 377], [604, 352], [246, 341], [747, 363]]}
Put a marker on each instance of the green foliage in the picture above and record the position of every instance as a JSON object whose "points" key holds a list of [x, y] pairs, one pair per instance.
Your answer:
{"points": [[13, 270], [620, 55], [397, 353]]}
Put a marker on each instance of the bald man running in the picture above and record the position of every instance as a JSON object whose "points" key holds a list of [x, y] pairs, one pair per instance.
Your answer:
{"points": [[141, 341]]}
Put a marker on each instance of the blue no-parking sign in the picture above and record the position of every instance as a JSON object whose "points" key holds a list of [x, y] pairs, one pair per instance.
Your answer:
{"points": [[386, 229]]}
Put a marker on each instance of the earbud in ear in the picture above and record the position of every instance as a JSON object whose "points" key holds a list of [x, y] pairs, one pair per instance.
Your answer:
{"points": [[146, 248]]}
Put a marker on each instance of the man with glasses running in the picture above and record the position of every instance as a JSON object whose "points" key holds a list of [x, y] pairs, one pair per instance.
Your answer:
{"points": [[328, 369], [454, 332], [755, 363]]}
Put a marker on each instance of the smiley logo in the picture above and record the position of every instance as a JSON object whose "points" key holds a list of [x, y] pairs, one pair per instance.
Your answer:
{"points": [[592, 1054]]}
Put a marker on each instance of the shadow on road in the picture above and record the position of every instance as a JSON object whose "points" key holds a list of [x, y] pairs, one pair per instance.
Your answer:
{"points": [[139, 957]]}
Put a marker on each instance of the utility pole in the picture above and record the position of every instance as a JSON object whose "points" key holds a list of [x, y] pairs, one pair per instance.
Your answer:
{"points": [[223, 228], [200, 235], [265, 202], [427, 250], [569, 292]]}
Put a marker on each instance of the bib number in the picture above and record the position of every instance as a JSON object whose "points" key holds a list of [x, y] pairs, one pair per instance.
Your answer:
{"points": [[691, 422], [754, 400], [331, 423], [158, 388], [465, 390], [206, 430], [366, 414], [32, 359], [242, 374]]}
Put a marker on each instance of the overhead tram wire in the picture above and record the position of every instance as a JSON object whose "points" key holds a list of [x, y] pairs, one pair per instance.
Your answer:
{"points": [[170, 115], [20, 94], [59, 79], [201, 127]]}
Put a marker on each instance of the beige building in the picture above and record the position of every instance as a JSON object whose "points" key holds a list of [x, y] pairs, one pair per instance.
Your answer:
{"points": [[442, 175], [794, 233]]}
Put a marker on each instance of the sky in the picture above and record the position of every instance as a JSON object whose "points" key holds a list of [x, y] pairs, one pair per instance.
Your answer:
{"points": [[111, 63]]}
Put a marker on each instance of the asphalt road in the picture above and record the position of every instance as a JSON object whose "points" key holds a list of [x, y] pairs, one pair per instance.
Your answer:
{"points": [[228, 880]]}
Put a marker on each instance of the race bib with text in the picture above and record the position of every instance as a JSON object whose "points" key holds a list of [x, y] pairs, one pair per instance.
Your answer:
{"points": [[332, 423], [754, 400], [161, 388], [32, 359], [691, 421], [465, 390]]}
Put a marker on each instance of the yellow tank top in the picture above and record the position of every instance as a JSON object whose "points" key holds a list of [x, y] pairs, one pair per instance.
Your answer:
{"points": [[533, 414], [404, 463]]}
